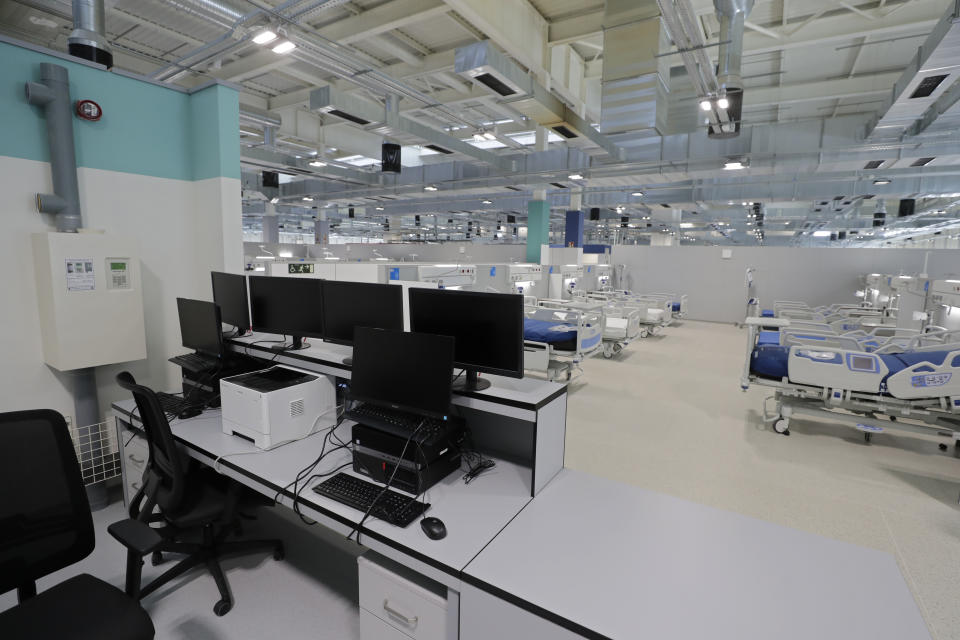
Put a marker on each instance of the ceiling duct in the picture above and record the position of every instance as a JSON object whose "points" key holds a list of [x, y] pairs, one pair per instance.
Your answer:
{"points": [[483, 63], [915, 102], [260, 117], [635, 81], [88, 40], [732, 15]]}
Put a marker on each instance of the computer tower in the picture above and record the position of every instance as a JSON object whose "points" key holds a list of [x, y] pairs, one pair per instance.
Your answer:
{"points": [[425, 461]]}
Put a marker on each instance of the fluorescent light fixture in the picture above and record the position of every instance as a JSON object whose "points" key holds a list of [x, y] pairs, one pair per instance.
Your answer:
{"points": [[881, 181], [379, 208], [265, 36], [637, 194], [381, 259], [575, 176], [429, 187], [264, 258], [284, 47], [487, 201], [331, 258], [478, 137], [286, 254], [307, 199], [317, 163], [686, 225], [489, 136], [821, 234], [705, 105], [274, 200], [723, 103], [733, 165]]}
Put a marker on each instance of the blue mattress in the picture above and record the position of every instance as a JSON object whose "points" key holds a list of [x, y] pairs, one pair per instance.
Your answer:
{"points": [[676, 307], [768, 337], [559, 334], [767, 313], [770, 361]]}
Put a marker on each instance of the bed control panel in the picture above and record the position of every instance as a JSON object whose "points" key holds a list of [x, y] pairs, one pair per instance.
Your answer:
{"points": [[864, 363], [836, 369]]}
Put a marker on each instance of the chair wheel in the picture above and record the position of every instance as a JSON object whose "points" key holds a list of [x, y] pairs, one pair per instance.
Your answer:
{"points": [[943, 447], [156, 558], [279, 553], [782, 426], [222, 607]]}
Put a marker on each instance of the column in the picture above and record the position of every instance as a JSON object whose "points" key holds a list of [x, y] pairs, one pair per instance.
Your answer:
{"points": [[574, 230], [321, 229], [538, 228], [271, 227]]}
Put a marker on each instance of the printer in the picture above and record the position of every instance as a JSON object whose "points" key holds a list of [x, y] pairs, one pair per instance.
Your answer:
{"points": [[276, 405]]}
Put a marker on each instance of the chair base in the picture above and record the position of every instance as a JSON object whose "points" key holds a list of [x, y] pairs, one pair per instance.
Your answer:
{"points": [[208, 552]]}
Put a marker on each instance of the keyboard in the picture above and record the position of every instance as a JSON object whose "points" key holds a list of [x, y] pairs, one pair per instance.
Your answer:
{"points": [[397, 509], [195, 362], [398, 423], [171, 404]]}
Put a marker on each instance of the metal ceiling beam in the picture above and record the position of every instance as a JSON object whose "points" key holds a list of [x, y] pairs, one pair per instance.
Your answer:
{"points": [[382, 19], [840, 88]]}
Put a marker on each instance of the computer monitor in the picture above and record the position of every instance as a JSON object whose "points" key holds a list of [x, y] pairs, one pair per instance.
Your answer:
{"points": [[288, 306], [230, 293], [347, 305], [200, 328], [406, 371], [487, 327]]}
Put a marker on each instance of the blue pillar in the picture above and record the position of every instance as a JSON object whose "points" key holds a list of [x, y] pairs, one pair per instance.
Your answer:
{"points": [[574, 234], [538, 228]]}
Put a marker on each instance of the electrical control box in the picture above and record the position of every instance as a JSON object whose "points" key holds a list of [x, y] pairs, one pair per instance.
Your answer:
{"points": [[90, 299]]}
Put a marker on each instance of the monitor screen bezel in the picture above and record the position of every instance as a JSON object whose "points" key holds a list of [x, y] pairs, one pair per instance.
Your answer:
{"points": [[279, 330], [337, 283], [213, 289], [219, 333]]}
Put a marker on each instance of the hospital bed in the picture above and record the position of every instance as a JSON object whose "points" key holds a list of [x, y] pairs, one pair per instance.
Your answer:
{"points": [[913, 387], [653, 314], [557, 341], [621, 325], [678, 303]]}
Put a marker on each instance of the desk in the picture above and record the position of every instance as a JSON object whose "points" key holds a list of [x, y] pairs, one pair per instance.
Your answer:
{"points": [[473, 513], [592, 558]]}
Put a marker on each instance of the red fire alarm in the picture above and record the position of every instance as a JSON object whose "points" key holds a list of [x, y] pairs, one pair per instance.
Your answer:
{"points": [[89, 110]]}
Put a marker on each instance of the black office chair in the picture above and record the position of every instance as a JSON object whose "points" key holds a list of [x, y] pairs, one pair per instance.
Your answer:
{"points": [[45, 525], [187, 499]]}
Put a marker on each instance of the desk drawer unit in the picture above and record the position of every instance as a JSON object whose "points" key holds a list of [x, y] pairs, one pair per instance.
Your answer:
{"points": [[402, 603]]}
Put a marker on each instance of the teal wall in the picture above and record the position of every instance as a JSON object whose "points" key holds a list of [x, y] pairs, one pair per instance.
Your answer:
{"points": [[538, 228], [146, 129]]}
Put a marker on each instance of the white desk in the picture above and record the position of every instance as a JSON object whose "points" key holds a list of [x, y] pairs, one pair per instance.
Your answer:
{"points": [[594, 558], [473, 513]]}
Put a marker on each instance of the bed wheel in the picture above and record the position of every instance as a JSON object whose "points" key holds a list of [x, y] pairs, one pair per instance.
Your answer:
{"points": [[867, 437], [943, 447], [782, 426], [607, 354], [617, 348]]}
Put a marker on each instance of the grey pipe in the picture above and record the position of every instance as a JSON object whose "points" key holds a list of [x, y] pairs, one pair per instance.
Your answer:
{"points": [[88, 40], [732, 15], [261, 117], [53, 94]]}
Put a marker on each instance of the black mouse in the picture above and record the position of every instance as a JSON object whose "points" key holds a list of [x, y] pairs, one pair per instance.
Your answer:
{"points": [[189, 412], [434, 528]]}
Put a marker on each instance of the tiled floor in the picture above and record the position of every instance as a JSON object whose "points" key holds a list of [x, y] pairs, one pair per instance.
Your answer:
{"points": [[667, 415]]}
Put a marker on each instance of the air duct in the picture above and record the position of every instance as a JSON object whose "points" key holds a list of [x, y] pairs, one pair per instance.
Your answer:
{"points": [[88, 40], [732, 15], [635, 81], [260, 117]]}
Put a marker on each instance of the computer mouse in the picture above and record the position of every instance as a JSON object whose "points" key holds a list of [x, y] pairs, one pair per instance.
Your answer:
{"points": [[189, 412], [434, 528]]}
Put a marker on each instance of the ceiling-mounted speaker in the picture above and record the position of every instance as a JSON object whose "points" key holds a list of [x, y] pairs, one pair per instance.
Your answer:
{"points": [[351, 213], [390, 158], [595, 213], [907, 208], [271, 179], [511, 219]]}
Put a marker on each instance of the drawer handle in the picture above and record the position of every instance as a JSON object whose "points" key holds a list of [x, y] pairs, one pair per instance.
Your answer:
{"points": [[135, 459], [396, 614]]}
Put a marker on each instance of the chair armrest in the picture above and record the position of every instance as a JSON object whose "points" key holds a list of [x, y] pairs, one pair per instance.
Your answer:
{"points": [[135, 535]]}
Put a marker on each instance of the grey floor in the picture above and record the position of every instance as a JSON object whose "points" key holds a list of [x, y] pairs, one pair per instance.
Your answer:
{"points": [[667, 415]]}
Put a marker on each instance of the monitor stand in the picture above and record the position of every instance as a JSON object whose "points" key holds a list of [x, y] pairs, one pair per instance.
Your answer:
{"points": [[470, 382], [297, 345]]}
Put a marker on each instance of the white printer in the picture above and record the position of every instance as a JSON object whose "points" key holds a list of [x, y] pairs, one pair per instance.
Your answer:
{"points": [[277, 404]]}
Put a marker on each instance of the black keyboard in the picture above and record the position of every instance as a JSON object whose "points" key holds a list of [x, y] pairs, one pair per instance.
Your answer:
{"points": [[399, 423], [171, 404], [195, 362], [394, 507]]}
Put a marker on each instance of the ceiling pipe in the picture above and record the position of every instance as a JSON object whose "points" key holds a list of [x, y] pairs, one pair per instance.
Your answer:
{"points": [[732, 15], [88, 40], [259, 117]]}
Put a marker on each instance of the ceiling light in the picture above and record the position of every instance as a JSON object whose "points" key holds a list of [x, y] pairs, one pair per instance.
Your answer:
{"points": [[274, 200], [486, 201], [307, 199], [821, 234], [284, 47], [379, 208], [575, 176], [264, 258], [734, 165], [265, 36], [637, 194], [686, 225], [478, 137], [489, 136], [429, 187], [723, 103], [881, 181], [317, 163], [705, 105]]}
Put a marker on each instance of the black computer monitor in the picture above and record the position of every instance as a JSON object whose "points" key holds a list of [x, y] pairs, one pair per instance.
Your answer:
{"points": [[200, 328], [406, 371], [230, 293], [347, 305], [288, 306], [488, 328]]}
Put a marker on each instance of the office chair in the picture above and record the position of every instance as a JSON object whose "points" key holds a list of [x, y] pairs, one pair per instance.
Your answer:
{"points": [[45, 525], [187, 500]]}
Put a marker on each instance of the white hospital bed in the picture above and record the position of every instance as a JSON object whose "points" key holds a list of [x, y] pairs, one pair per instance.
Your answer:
{"points": [[557, 359], [621, 325]]}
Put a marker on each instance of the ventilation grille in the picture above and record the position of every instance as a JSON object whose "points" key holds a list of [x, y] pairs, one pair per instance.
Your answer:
{"points": [[566, 132], [873, 164], [927, 86], [296, 408], [493, 83], [922, 162], [558, 185], [437, 148], [347, 116]]}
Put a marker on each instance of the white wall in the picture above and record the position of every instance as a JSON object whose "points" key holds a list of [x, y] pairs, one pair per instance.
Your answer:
{"points": [[716, 289], [184, 229]]}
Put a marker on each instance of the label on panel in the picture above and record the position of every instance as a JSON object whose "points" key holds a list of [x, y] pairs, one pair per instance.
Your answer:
{"points": [[80, 276]]}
